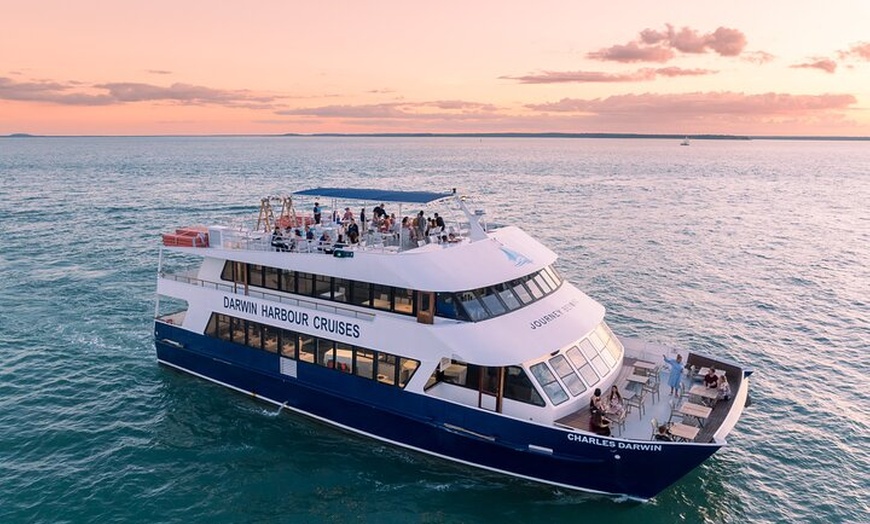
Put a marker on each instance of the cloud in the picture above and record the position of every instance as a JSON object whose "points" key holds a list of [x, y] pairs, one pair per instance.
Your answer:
{"points": [[825, 64], [158, 72], [859, 51], [641, 75], [632, 52], [659, 46], [699, 105], [757, 57], [80, 94], [396, 110]]}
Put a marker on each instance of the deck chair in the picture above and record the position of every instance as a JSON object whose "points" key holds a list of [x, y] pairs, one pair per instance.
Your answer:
{"points": [[636, 400]]}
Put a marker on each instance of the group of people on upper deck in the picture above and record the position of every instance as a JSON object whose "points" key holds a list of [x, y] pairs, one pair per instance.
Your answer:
{"points": [[410, 232]]}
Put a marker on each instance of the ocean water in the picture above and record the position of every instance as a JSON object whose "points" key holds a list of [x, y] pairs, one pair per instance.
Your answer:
{"points": [[754, 250]]}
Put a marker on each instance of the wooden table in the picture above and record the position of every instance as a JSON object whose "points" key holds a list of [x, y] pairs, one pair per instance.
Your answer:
{"points": [[683, 431], [695, 410], [700, 390]]}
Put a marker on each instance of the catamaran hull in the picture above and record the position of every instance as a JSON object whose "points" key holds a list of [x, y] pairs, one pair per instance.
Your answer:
{"points": [[570, 459]]}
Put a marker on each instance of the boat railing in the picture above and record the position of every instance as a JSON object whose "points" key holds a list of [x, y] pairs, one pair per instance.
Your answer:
{"points": [[240, 290]]}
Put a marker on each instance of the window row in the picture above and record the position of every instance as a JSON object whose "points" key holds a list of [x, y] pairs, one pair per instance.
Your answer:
{"points": [[470, 306], [491, 301], [336, 289], [581, 366], [345, 358]]}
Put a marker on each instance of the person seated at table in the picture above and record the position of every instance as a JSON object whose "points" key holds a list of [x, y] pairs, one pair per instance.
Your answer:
{"points": [[325, 243], [663, 434], [339, 243], [309, 233], [615, 403], [724, 388], [711, 380], [595, 403], [599, 425], [353, 231], [278, 241]]}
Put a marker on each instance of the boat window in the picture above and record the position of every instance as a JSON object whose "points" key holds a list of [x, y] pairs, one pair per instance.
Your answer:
{"points": [[325, 352], [588, 349], [340, 289], [557, 278], [304, 283], [408, 367], [566, 373], [382, 297], [548, 381], [386, 368], [492, 303], [472, 305], [599, 366], [364, 363], [270, 338], [534, 289], [589, 375], [575, 357], [507, 296], [542, 282], [517, 386], [255, 275], [237, 330], [306, 348], [272, 280], [212, 328], [289, 341], [361, 293], [322, 287], [446, 305], [522, 291], [343, 357], [548, 278], [405, 299], [288, 281], [228, 273]]}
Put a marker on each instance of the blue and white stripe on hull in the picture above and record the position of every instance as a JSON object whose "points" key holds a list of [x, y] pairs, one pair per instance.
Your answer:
{"points": [[465, 435]]}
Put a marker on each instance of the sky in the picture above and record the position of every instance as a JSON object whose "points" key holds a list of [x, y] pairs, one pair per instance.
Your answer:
{"points": [[182, 67]]}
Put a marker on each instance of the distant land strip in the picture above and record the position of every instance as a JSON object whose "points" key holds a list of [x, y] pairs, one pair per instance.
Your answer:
{"points": [[482, 135]]}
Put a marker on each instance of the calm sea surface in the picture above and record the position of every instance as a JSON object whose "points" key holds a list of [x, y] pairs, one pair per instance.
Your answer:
{"points": [[754, 250]]}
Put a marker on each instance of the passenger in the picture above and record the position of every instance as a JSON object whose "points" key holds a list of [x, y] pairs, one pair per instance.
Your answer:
{"points": [[339, 243], [348, 215], [663, 434], [724, 388], [595, 403], [309, 233], [421, 225], [325, 243], [439, 222], [711, 380], [317, 212], [378, 211], [278, 241], [362, 216], [615, 404], [676, 373], [353, 231]]}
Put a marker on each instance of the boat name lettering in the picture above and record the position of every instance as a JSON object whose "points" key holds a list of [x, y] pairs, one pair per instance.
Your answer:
{"points": [[549, 317], [291, 316], [633, 446]]}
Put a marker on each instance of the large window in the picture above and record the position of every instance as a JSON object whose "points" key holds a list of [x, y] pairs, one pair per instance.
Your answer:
{"points": [[378, 366], [471, 305], [548, 381]]}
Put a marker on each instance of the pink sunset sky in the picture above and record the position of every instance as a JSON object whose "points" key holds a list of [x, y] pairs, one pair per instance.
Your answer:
{"points": [[760, 67]]}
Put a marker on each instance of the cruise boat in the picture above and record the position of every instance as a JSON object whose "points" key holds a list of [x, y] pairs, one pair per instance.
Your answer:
{"points": [[442, 335]]}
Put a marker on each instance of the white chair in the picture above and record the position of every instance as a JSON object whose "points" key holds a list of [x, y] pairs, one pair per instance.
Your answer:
{"points": [[636, 400]]}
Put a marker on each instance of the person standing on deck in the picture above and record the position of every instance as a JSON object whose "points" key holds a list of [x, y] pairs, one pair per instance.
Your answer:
{"points": [[676, 373], [317, 212]]}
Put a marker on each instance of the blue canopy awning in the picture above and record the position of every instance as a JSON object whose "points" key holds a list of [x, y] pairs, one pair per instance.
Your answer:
{"points": [[374, 195]]}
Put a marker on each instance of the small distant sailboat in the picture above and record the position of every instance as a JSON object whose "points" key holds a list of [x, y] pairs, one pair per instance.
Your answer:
{"points": [[685, 142]]}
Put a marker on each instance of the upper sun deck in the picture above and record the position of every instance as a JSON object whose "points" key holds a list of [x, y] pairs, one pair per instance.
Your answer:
{"points": [[446, 247]]}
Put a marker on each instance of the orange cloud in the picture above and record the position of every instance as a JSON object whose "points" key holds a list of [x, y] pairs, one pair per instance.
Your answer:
{"points": [[641, 75], [659, 46], [860, 51], [825, 64], [80, 94], [699, 105]]}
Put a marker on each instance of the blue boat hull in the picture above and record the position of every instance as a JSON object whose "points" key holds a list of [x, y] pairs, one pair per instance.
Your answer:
{"points": [[638, 469]]}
